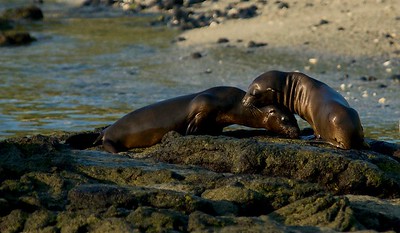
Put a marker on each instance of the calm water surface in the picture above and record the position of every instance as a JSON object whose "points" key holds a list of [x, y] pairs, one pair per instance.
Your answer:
{"points": [[88, 68]]}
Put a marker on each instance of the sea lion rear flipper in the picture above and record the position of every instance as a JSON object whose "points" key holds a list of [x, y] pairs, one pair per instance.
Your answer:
{"points": [[99, 138]]}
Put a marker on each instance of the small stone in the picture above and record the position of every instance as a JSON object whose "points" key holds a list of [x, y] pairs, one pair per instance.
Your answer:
{"points": [[222, 40], [313, 61], [395, 78], [369, 78], [323, 21], [15, 38], [29, 13], [386, 63], [282, 5], [248, 12], [233, 13], [196, 55], [252, 44], [213, 24], [382, 100], [365, 94]]}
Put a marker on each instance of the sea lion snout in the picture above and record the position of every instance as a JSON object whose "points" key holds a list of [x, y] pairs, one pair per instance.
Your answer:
{"points": [[248, 100], [280, 120]]}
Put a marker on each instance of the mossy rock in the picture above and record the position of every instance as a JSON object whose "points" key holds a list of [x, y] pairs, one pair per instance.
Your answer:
{"points": [[5, 24], [28, 13], [15, 38]]}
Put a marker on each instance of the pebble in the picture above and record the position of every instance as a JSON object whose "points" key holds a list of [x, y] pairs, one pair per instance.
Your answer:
{"points": [[369, 78], [322, 22], [386, 63], [252, 44], [282, 5], [222, 40], [395, 78], [196, 55], [232, 13], [313, 61], [382, 100]]}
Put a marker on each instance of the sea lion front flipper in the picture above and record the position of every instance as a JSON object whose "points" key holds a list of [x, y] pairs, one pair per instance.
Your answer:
{"points": [[194, 124], [109, 146]]}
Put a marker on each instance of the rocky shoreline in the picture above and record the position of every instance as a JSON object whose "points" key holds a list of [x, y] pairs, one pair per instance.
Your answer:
{"points": [[10, 35], [197, 183], [257, 183]]}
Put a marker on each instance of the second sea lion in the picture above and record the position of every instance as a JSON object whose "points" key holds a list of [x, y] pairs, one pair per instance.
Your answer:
{"points": [[206, 112]]}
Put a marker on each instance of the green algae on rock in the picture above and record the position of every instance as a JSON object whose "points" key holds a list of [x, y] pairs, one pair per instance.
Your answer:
{"points": [[216, 184]]}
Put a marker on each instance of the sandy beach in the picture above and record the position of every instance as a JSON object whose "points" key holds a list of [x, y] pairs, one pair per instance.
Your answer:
{"points": [[354, 28]]}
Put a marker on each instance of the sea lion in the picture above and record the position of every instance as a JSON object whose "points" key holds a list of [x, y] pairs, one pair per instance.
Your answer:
{"points": [[206, 112], [329, 114]]}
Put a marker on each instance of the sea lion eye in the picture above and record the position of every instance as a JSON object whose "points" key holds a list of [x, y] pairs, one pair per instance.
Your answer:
{"points": [[254, 92]]}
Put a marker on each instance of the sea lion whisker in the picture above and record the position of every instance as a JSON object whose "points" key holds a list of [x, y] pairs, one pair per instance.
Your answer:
{"points": [[254, 111]]}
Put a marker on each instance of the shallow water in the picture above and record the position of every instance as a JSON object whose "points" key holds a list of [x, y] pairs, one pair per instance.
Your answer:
{"points": [[88, 68]]}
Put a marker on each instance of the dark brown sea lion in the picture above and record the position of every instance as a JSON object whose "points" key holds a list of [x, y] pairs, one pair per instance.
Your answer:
{"points": [[323, 108], [206, 112]]}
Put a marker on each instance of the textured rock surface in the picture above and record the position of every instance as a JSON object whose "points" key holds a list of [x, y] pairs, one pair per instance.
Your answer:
{"points": [[195, 183]]}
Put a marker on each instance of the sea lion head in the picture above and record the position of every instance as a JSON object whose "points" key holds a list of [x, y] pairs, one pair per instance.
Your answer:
{"points": [[281, 121], [345, 129], [265, 89]]}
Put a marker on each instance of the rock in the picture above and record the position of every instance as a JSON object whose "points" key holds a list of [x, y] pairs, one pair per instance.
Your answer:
{"points": [[5, 24], [344, 171], [282, 5], [169, 4], [369, 78], [248, 12], [336, 213], [375, 213], [322, 22], [98, 2], [222, 40], [158, 220], [249, 201], [196, 55], [395, 78], [28, 13], [252, 44], [197, 183], [14, 38]]}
